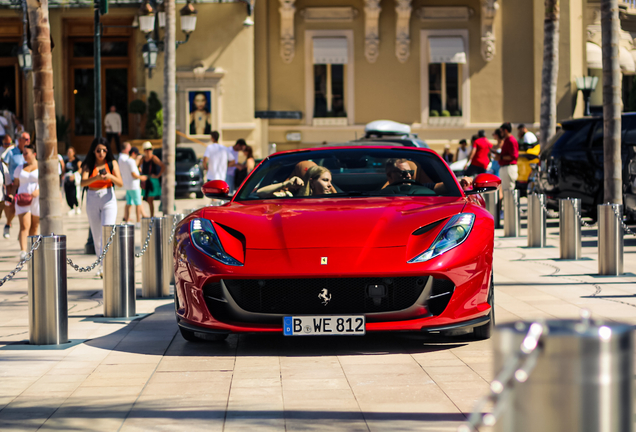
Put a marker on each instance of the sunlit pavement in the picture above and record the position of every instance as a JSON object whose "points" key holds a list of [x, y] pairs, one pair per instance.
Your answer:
{"points": [[141, 375]]}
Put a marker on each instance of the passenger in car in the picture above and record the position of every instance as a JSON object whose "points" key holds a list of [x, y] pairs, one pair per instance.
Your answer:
{"points": [[317, 182], [281, 190]]}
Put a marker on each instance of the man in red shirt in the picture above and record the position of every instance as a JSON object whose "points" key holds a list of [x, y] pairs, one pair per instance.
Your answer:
{"points": [[479, 156], [508, 158]]}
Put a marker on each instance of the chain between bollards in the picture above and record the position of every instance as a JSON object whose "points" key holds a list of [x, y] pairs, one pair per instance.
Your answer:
{"points": [[145, 246], [22, 262], [579, 216], [99, 259], [623, 224], [517, 369]]}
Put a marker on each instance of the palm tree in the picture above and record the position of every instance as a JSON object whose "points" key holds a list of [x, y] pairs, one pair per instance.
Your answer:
{"points": [[44, 110], [550, 70], [169, 108], [610, 28]]}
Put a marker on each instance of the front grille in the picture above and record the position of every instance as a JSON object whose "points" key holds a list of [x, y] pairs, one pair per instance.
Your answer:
{"points": [[301, 296], [186, 178]]}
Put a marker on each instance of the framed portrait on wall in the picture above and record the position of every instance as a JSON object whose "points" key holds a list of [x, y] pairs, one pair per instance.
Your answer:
{"points": [[199, 112]]}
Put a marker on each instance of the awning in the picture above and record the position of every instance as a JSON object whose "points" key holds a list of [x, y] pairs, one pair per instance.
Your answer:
{"points": [[594, 56], [330, 50], [446, 50], [628, 67]]}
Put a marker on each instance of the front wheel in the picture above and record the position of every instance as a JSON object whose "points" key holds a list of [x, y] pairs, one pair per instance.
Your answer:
{"points": [[485, 331]]}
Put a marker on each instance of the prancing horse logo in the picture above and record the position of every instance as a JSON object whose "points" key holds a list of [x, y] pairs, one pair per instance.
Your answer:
{"points": [[325, 296]]}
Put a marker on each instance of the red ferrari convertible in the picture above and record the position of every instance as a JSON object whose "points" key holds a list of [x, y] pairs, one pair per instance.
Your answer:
{"points": [[339, 241]]}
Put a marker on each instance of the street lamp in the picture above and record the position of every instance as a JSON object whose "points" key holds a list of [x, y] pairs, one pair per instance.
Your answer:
{"points": [[587, 85], [146, 18], [149, 53], [24, 58], [161, 15], [188, 21]]}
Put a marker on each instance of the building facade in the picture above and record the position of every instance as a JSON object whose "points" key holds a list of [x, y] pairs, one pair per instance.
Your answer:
{"points": [[310, 71]]}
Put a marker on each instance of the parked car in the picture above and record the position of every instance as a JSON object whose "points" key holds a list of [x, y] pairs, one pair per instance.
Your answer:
{"points": [[358, 249], [387, 132], [188, 173], [571, 165]]}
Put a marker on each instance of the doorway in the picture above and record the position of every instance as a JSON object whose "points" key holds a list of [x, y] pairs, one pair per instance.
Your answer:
{"points": [[116, 83]]}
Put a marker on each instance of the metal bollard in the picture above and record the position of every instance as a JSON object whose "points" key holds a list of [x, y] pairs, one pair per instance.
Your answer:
{"points": [[582, 381], [119, 272], [492, 205], [537, 222], [47, 292], [610, 240], [512, 213], [168, 256], [154, 284], [570, 228]]}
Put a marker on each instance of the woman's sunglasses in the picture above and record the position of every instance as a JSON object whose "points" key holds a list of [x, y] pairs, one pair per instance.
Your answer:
{"points": [[101, 151]]}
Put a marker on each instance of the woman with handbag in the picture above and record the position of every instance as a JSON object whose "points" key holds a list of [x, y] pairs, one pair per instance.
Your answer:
{"points": [[100, 172], [151, 169], [27, 200]]}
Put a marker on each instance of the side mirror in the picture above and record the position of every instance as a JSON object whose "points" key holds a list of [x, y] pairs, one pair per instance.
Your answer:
{"points": [[216, 189], [484, 183]]}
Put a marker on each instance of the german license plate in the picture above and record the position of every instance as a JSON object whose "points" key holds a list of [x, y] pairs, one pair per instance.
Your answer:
{"points": [[324, 325]]}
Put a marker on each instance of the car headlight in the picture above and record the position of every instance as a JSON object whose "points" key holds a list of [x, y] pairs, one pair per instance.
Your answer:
{"points": [[195, 171], [205, 239], [452, 235]]}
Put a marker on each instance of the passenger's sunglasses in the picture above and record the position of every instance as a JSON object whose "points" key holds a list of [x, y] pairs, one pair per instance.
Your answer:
{"points": [[405, 173]]}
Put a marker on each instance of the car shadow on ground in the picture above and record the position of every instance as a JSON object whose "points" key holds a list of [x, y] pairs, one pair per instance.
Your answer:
{"points": [[276, 344]]}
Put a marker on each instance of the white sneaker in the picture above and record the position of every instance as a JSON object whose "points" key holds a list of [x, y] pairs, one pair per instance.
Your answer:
{"points": [[7, 231], [23, 255], [71, 212], [78, 210]]}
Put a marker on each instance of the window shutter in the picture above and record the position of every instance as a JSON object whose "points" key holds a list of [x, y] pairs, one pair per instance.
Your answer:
{"points": [[446, 50], [331, 50]]}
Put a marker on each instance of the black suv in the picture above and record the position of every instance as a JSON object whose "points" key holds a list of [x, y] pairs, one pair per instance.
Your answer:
{"points": [[571, 165]]}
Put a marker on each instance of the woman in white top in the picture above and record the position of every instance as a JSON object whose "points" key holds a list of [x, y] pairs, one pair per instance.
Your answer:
{"points": [[26, 182]]}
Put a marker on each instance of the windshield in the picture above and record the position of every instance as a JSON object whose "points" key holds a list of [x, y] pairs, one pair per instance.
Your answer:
{"points": [[350, 172]]}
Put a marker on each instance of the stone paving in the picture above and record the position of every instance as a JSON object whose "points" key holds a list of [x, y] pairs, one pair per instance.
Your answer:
{"points": [[122, 375]]}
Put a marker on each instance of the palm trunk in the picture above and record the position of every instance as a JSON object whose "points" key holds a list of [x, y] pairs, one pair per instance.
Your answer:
{"points": [[610, 26], [169, 108], [44, 112], [550, 70]]}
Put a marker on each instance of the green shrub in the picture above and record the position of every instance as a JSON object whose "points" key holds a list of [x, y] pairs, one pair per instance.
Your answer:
{"points": [[137, 107], [446, 113], [154, 123], [457, 113], [434, 113]]}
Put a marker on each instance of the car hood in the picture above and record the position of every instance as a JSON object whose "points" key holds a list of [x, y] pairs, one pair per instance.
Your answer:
{"points": [[183, 167], [350, 222]]}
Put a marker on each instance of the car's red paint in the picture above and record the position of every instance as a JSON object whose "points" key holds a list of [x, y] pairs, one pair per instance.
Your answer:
{"points": [[362, 237], [486, 180], [215, 189]]}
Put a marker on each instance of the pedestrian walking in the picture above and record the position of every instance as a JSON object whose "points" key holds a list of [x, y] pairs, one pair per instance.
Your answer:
{"points": [[216, 159], [27, 199], [5, 177], [447, 155], [112, 126], [527, 138], [5, 128], [508, 158], [151, 169], [244, 169], [235, 150], [72, 180], [479, 158], [496, 149], [463, 152], [132, 182], [100, 173], [14, 159]]}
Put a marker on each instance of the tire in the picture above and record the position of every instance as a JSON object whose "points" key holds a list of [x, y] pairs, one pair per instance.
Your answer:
{"points": [[485, 331]]}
